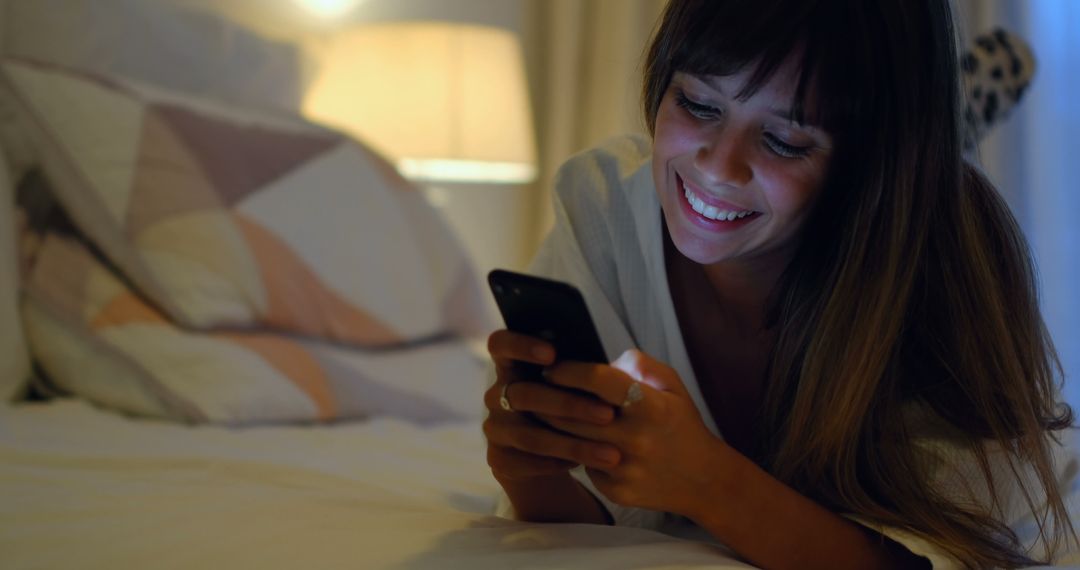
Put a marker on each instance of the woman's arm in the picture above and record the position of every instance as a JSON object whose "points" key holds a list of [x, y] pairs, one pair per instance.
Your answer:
{"points": [[773, 526]]}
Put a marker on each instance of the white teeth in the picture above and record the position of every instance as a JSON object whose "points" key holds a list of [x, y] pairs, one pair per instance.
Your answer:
{"points": [[712, 212]]}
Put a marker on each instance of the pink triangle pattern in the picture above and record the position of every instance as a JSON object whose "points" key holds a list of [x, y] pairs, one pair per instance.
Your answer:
{"points": [[299, 301], [240, 159], [293, 362]]}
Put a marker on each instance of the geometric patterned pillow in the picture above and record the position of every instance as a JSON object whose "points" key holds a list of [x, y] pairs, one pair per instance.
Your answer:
{"points": [[223, 218], [100, 341]]}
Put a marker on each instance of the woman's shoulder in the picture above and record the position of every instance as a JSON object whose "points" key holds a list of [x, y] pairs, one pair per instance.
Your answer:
{"points": [[620, 155], [609, 186], [616, 166]]}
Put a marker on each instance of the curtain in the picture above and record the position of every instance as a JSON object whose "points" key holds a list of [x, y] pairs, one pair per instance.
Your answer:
{"points": [[585, 64], [1031, 157]]}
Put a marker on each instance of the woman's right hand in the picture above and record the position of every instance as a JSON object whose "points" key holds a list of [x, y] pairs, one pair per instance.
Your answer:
{"points": [[520, 445]]}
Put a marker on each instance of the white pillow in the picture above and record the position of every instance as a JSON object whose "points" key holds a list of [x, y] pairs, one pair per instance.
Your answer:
{"points": [[14, 362], [191, 51]]}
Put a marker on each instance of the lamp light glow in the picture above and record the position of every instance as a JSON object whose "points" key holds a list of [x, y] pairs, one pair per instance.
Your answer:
{"points": [[447, 101], [467, 171], [328, 8]]}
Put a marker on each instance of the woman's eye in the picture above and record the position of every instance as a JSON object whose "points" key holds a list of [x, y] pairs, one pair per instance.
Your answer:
{"points": [[704, 112], [781, 148]]}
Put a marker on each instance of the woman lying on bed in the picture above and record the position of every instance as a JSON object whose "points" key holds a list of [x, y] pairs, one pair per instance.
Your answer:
{"points": [[840, 360]]}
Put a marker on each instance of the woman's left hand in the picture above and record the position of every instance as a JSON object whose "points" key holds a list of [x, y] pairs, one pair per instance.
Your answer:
{"points": [[669, 457]]}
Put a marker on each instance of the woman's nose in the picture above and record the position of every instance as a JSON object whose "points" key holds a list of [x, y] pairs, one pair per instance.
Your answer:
{"points": [[723, 160]]}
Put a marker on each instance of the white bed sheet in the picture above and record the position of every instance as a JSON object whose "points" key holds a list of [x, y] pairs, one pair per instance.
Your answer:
{"points": [[84, 488]]}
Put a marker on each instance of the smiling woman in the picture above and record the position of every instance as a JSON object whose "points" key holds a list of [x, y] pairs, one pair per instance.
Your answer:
{"points": [[830, 316]]}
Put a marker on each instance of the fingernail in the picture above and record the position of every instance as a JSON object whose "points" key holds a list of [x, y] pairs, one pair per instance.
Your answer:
{"points": [[602, 413], [543, 352], [607, 455]]}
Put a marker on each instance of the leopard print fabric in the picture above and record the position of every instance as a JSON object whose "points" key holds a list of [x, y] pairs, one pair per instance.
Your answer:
{"points": [[997, 69]]}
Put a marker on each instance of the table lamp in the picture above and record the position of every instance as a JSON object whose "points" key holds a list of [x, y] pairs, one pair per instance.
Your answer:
{"points": [[447, 101]]}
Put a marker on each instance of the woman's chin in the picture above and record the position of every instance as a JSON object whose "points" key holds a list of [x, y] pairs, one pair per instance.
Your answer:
{"points": [[701, 251]]}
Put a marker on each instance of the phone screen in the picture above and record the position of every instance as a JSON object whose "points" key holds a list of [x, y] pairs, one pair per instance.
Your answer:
{"points": [[550, 310]]}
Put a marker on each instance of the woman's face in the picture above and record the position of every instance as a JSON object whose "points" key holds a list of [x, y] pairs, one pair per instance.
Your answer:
{"points": [[735, 178]]}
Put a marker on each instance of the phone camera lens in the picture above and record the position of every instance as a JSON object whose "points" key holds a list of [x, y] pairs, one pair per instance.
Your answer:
{"points": [[517, 291], [498, 289]]}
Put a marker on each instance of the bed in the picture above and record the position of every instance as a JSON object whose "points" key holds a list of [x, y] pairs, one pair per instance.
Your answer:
{"points": [[194, 382]]}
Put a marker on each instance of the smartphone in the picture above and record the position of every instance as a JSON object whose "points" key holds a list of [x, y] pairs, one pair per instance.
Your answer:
{"points": [[550, 310]]}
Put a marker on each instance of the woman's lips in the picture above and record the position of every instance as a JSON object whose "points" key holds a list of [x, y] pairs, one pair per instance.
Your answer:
{"points": [[711, 213]]}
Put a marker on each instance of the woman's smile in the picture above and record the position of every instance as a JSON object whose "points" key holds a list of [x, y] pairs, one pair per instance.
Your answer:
{"points": [[711, 213]]}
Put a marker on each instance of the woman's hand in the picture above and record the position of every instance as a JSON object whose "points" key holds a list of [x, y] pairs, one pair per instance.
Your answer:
{"points": [[520, 446], [669, 456]]}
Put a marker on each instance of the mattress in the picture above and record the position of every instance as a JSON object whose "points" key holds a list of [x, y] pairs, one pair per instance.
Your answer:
{"points": [[81, 487]]}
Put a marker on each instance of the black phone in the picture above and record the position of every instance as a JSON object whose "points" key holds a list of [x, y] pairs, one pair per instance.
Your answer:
{"points": [[550, 310]]}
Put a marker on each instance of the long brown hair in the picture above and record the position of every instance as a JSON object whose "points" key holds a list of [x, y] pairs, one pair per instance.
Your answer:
{"points": [[912, 290]]}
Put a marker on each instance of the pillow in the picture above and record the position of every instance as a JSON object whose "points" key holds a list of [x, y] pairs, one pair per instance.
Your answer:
{"points": [[98, 339], [997, 68], [14, 362], [229, 218]]}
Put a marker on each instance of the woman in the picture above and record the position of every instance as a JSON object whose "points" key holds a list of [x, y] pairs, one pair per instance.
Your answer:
{"points": [[839, 359]]}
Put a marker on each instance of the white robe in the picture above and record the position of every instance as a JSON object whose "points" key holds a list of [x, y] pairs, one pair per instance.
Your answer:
{"points": [[607, 241]]}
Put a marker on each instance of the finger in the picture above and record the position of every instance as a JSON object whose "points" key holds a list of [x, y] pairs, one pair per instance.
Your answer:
{"points": [[649, 371], [601, 478], [510, 463], [507, 346], [546, 442], [584, 430], [544, 399], [493, 397], [531, 398], [605, 382]]}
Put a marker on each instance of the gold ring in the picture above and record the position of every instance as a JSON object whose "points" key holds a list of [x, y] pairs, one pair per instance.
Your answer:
{"points": [[634, 394], [504, 402]]}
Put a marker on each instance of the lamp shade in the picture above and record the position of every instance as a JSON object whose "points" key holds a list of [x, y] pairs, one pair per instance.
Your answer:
{"points": [[448, 101]]}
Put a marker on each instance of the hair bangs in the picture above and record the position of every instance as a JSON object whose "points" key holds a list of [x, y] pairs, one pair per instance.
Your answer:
{"points": [[764, 34], [749, 33]]}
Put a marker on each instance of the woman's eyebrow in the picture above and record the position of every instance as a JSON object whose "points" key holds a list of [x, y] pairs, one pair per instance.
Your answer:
{"points": [[785, 114], [713, 82], [710, 80], [788, 115]]}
